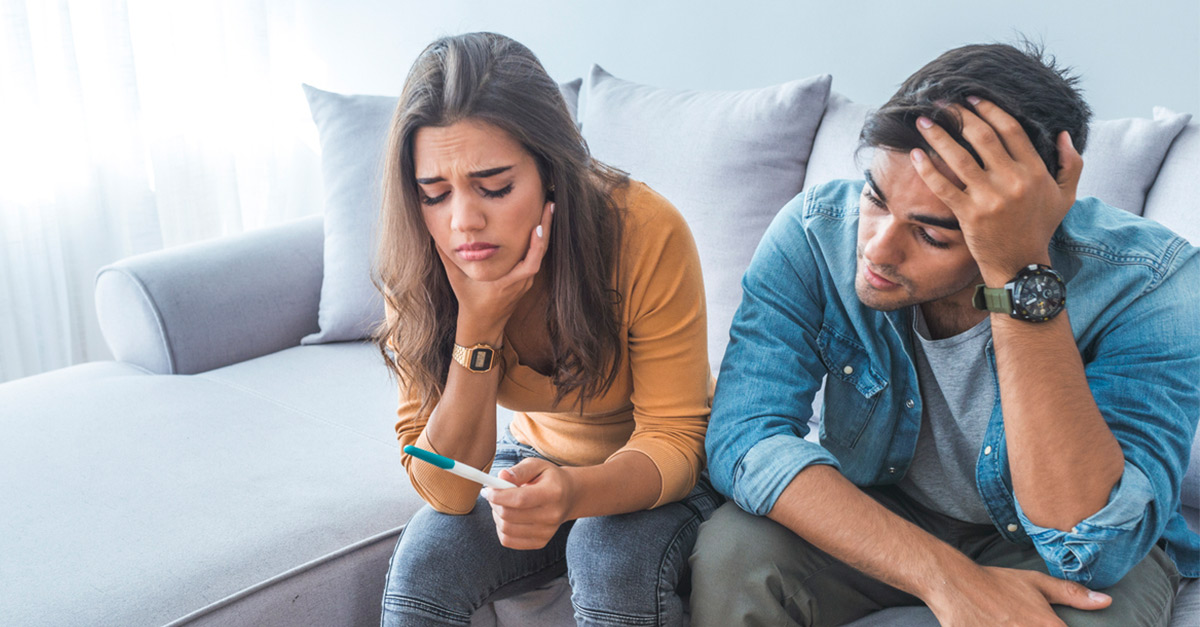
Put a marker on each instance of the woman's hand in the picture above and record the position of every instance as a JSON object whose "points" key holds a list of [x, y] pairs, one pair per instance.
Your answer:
{"points": [[529, 515], [485, 306]]}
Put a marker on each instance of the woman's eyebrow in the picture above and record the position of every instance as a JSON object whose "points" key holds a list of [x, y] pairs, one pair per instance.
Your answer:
{"points": [[481, 174]]}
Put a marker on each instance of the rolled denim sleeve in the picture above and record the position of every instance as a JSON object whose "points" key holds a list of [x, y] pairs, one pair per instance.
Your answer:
{"points": [[770, 372], [1144, 373], [1103, 547]]}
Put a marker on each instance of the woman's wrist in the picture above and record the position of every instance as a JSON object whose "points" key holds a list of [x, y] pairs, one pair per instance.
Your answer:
{"points": [[469, 332]]}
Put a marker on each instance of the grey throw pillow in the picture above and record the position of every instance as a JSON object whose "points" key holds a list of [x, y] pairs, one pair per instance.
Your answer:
{"points": [[728, 160], [1123, 156], [834, 149], [353, 130], [1173, 198]]}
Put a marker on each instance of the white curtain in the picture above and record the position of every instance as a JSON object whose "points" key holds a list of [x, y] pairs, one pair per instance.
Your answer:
{"points": [[131, 125]]}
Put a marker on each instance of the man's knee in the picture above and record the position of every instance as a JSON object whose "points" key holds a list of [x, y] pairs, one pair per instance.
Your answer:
{"points": [[734, 541], [1142, 598]]}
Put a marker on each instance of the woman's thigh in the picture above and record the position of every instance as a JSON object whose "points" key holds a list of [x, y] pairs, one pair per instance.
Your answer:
{"points": [[630, 568], [445, 567]]}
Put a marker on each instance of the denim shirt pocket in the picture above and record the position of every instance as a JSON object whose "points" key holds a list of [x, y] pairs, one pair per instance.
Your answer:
{"points": [[852, 389]]}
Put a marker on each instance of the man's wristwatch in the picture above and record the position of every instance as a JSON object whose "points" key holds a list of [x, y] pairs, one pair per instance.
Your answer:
{"points": [[478, 358], [1036, 294]]}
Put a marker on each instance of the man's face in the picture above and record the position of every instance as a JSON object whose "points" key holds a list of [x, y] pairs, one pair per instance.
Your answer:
{"points": [[910, 249]]}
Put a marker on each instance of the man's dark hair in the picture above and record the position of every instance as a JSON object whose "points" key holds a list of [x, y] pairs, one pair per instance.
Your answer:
{"points": [[1023, 81]]}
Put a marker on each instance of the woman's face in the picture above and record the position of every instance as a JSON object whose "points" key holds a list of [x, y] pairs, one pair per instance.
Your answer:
{"points": [[481, 195]]}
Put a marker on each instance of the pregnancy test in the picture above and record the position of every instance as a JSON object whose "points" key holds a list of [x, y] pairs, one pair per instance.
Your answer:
{"points": [[469, 473]]}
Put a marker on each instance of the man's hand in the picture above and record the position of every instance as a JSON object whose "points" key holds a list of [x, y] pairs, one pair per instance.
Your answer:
{"points": [[1010, 207], [990, 596], [529, 515]]}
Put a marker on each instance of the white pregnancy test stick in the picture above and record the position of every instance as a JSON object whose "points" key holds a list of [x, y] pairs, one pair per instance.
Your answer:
{"points": [[469, 473]]}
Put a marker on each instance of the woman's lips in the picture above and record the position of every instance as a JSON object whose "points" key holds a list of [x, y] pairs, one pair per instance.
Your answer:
{"points": [[877, 281], [476, 251]]}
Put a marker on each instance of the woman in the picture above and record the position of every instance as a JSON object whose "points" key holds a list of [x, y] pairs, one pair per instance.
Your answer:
{"points": [[518, 270]]}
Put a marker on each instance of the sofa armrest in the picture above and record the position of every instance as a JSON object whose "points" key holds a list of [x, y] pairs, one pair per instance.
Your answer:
{"points": [[203, 306]]}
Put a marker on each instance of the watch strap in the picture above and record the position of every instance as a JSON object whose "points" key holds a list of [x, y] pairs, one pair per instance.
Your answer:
{"points": [[997, 299], [478, 358]]}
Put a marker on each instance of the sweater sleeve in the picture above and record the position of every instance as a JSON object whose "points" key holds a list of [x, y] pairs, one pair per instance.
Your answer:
{"points": [[446, 493], [667, 342]]}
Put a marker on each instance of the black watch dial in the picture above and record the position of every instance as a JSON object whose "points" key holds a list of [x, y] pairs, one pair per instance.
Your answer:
{"points": [[1038, 294], [480, 359]]}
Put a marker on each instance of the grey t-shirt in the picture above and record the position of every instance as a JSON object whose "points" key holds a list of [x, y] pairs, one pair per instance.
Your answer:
{"points": [[958, 393]]}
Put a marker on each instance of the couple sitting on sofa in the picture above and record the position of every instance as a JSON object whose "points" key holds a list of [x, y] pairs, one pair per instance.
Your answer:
{"points": [[519, 271]]}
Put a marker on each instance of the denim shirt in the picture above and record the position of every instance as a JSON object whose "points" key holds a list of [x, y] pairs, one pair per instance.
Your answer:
{"points": [[1134, 311]]}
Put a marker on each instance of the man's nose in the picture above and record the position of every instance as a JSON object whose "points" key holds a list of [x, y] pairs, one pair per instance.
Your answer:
{"points": [[885, 247]]}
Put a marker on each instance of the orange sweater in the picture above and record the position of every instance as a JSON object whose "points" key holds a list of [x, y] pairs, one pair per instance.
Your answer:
{"points": [[659, 402]]}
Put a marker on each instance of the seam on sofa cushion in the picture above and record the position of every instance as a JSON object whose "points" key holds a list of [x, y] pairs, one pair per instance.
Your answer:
{"points": [[287, 406], [158, 317], [390, 534]]}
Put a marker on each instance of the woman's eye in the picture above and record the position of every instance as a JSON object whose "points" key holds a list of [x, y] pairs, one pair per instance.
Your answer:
{"points": [[433, 200], [497, 193]]}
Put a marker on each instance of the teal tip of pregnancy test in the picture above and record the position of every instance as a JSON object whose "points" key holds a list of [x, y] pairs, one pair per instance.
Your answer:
{"points": [[433, 458]]}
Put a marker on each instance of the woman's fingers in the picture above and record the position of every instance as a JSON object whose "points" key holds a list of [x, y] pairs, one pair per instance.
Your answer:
{"points": [[539, 241]]}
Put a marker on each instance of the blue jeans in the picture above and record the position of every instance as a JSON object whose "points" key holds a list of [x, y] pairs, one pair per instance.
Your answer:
{"points": [[627, 569]]}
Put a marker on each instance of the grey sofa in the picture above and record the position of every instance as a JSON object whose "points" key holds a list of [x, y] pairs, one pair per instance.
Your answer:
{"points": [[220, 473]]}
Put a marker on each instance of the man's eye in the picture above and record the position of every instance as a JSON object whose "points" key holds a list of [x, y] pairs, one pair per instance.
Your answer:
{"points": [[929, 240], [875, 201]]}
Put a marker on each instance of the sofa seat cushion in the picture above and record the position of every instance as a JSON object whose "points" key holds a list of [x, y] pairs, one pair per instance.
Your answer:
{"points": [[342, 383], [137, 499]]}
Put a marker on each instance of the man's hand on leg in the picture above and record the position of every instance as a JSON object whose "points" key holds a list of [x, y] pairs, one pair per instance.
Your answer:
{"points": [[989, 595]]}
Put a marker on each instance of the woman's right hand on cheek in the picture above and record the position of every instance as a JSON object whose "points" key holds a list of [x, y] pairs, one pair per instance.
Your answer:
{"points": [[485, 306]]}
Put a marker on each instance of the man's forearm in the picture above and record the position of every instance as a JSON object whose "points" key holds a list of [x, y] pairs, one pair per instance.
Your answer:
{"points": [[824, 508], [1064, 458]]}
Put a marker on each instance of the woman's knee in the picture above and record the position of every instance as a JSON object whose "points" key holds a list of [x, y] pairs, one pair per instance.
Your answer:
{"points": [[631, 565], [426, 573]]}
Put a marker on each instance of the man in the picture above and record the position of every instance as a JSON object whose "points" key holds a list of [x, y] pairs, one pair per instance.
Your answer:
{"points": [[987, 452]]}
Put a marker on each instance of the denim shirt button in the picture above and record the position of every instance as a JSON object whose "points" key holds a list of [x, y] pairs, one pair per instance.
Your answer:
{"points": [[909, 403], [891, 470], [1012, 528], [987, 450], [1074, 529], [848, 370]]}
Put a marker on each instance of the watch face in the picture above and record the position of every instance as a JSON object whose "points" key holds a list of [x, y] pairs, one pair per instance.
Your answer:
{"points": [[481, 359], [1039, 295]]}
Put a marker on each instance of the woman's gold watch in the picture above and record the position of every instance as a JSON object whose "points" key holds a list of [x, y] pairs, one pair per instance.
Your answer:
{"points": [[478, 358]]}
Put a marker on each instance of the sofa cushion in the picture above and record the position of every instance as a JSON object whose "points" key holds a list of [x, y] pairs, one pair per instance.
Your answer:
{"points": [[1123, 156], [834, 149], [1175, 198], [353, 130], [727, 160], [136, 499]]}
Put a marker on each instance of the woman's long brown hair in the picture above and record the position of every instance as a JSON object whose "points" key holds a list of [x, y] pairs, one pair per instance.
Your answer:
{"points": [[491, 78]]}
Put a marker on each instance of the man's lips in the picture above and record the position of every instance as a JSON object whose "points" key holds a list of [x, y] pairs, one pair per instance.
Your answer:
{"points": [[877, 281]]}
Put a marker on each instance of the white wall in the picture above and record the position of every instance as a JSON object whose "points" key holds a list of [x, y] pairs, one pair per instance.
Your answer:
{"points": [[1132, 55]]}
